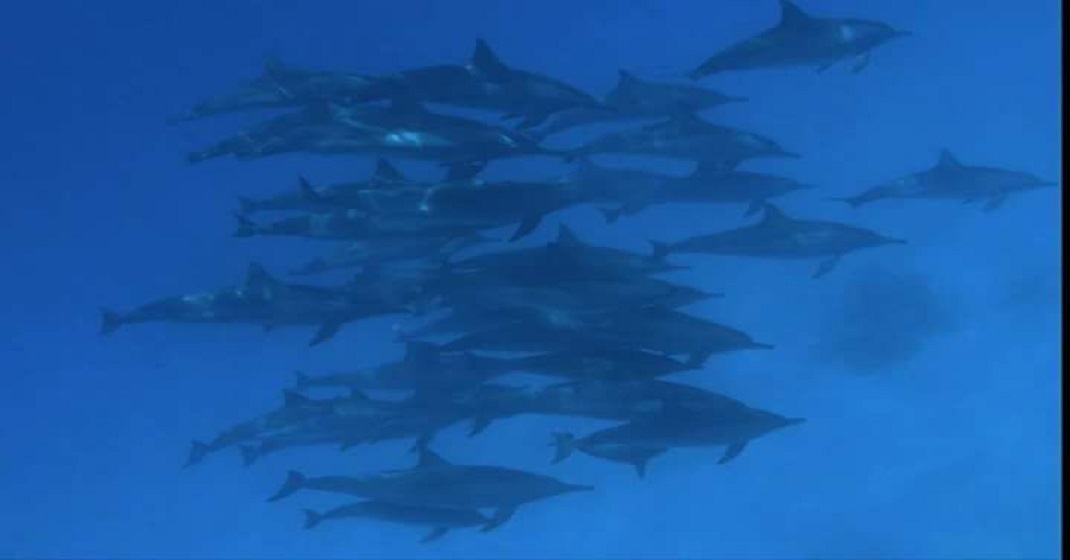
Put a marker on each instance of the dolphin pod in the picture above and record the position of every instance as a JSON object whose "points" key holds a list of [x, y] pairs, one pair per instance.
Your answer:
{"points": [[596, 323]]}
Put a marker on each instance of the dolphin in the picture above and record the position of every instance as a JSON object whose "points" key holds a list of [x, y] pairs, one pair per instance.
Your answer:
{"points": [[263, 300], [485, 82], [435, 482], [378, 252], [307, 198], [281, 86], [950, 179], [636, 98], [600, 363], [733, 429], [441, 520], [565, 444], [709, 184], [688, 136], [778, 236], [800, 39]]}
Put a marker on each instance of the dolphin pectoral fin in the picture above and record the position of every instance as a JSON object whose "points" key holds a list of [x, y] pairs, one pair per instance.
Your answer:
{"points": [[611, 215], [825, 66], [527, 225], [860, 63], [732, 452], [754, 207], [640, 467], [498, 519], [826, 266], [478, 426], [995, 203], [326, 331], [435, 534], [531, 121], [698, 359]]}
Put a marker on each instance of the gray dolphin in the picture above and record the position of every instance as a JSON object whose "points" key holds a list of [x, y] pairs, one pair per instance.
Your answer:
{"points": [[778, 236], [263, 300], [485, 82], [434, 482], [636, 98], [733, 429], [800, 39], [950, 179], [686, 135]]}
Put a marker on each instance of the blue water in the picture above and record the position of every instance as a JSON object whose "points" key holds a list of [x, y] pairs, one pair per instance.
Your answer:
{"points": [[944, 443]]}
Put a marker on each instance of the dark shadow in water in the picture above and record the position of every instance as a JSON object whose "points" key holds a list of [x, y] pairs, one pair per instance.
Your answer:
{"points": [[883, 319]]}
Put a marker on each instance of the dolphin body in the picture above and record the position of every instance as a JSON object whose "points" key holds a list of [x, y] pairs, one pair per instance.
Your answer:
{"points": [[485, 82], [950, 179], [636, 98], [404, 129], [434, 482], [440, 520], [639, 440], [778, 236], [686, 135], [633, 190], [800, 39], [262, 300], [281, 86]]}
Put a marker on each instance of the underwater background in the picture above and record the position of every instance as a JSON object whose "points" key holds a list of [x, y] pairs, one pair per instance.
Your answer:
{"points": [[928, 373]]}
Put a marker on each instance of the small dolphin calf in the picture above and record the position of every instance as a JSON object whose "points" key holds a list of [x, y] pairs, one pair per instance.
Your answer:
{"points": [[800, 39], [950, 179], [441, 520], [779, 237]]}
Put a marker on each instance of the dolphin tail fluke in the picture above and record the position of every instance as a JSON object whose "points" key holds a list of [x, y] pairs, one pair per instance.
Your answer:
{"points": [[435, 534], [246, 205], [312, 518], [301, 379], [197, 452], [852, 201], [564, 444], [659, 250], [110, 321], [246, 227], [294, 481]]}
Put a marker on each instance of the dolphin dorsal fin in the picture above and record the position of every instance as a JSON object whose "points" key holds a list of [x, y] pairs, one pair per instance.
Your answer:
{"points": [[773, 215], [385, 172], [486, 62], [273, 66], [626, 79], [292, 399], [791, 15], [948, 160], [566, 238], [428, 458], [258, 278], [420, 353]]}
